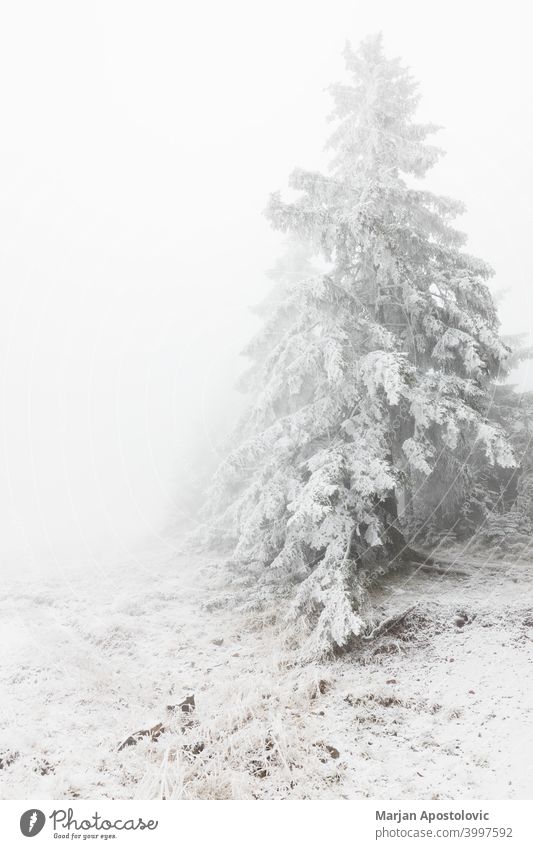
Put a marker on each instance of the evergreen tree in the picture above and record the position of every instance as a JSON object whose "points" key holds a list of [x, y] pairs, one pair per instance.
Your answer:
{"points": [[366, 369]]}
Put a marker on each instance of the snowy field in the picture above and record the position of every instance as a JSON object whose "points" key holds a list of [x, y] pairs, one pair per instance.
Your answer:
{"points": [[441, 706]]}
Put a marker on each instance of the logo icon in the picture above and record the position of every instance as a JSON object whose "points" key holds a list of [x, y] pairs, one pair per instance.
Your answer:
{"points": [[32, 822]]}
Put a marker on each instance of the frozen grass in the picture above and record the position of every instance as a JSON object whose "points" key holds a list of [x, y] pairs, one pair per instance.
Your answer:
{"points": [[439, 707]]}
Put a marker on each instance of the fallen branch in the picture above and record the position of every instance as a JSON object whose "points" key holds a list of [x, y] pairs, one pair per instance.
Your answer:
{"points": [[387, 624], [436, 569], [154, 733], [186, 706]]}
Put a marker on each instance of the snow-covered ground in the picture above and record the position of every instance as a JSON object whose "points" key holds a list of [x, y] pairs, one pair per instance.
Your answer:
{"points": [[439, 707]]}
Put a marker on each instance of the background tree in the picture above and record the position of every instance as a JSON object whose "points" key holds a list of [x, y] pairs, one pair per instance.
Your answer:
{"points": [[366, 370], [498, 511], [466, 497]]}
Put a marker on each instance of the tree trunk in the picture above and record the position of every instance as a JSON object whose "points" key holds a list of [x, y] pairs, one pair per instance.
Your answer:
{"points": [[395, 549]]}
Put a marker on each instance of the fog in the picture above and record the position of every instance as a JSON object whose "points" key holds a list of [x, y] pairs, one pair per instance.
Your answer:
{"points": [[139, 144]]}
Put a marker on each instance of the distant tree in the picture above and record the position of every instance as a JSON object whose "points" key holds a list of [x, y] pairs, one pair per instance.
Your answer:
{"points": [[366, 371], [465, 497], [498, 511]]}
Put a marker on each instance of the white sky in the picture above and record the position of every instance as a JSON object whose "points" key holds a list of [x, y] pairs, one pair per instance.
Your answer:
{"points": [[139, 143]]}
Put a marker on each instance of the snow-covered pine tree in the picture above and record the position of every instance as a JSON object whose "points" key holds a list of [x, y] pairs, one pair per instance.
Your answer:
{"points": [[365, 371]]}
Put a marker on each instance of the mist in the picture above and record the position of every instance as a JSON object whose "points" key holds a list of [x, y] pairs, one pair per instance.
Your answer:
{"points": [[139, 144]]}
